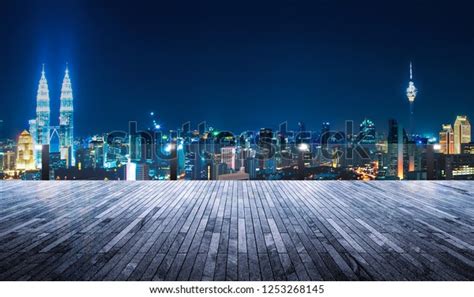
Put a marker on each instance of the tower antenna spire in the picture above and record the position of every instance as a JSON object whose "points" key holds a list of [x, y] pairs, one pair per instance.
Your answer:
{"points": [[411, 95]]}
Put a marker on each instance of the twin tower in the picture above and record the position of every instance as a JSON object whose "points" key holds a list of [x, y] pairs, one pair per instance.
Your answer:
{"points": [[40, 127]]}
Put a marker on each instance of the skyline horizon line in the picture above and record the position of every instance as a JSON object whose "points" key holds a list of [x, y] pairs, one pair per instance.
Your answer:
{"points": [[427, 134]]}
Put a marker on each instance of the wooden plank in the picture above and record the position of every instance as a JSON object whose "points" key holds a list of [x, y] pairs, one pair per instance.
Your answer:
{"points": [[231, 230]]}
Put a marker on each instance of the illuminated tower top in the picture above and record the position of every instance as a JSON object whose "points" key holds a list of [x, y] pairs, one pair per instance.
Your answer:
{"points": [[66, 107], [42, 96], [411, 90]]}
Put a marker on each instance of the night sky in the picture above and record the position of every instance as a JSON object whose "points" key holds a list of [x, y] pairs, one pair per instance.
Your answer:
{"points": [[238, 65]]}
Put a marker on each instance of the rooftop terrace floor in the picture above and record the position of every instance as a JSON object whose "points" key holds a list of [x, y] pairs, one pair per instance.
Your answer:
{"points": [[234, 230]]}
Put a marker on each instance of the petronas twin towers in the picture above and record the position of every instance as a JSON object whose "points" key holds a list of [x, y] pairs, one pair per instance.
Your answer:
{"points": [[40, 127]]}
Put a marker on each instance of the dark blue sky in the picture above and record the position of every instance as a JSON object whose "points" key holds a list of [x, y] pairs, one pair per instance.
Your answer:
{"points": [[236, 64]]}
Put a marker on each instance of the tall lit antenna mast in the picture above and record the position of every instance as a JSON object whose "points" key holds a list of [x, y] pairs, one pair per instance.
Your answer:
{"points": [[411, 95]]}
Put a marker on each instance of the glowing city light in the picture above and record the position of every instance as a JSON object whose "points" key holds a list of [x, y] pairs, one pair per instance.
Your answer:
{"points": [[131, 171], [411, 90], [304, 147]]}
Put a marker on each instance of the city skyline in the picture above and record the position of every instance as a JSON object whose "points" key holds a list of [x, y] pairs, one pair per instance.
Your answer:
{"points": [[207, 153], [290, 69]]}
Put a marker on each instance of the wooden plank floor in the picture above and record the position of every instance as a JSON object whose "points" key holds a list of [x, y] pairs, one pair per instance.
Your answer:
{"points": [[231, 230]]}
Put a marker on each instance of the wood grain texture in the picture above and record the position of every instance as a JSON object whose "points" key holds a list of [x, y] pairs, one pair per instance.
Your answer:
{"points": [[233, 230]]}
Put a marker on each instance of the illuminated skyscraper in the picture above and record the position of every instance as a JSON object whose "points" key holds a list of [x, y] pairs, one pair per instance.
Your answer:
{"points": [[25, 159], [462, 133], [33, 132], [66, 122], [411, 95], [325, 132], [446, 140], [41, 128], [228, 156], [265, 146], [303, 136], [9, 160], [397, 156], [367, 132]]}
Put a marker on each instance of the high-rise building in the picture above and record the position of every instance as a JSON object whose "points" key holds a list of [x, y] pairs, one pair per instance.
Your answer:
{"points": [[45, 165], [397, 155], [411, 95], [303, 136], [25, 159], [325, 132], [9, 165], [250, 165], [367, 132], [265, 146], [34, 133], [462, 133], [137, 171], [40, 127], [228, 156], [143, 171], [446, 139], [66, 122], [455, 166], [97, 149], [468, 148]]}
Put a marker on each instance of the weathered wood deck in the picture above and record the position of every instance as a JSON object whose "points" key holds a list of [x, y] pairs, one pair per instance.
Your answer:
{"points": [[288, 230]]}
